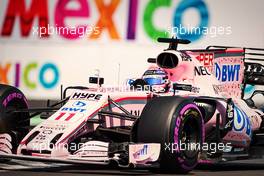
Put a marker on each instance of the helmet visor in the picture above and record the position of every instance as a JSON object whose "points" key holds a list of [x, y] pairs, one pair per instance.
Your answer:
{"points": [[154, 81]]}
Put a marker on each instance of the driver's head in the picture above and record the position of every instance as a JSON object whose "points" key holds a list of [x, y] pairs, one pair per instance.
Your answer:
{"points": [[157, 78]]}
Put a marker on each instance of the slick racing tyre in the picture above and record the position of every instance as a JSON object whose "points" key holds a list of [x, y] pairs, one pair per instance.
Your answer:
{"points": [[13, 124], [175, 123]]}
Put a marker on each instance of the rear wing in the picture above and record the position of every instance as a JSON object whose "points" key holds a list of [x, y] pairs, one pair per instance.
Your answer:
{"points": [[254, 68]]}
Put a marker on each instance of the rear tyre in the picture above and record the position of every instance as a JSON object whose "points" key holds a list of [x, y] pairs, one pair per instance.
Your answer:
{"points": [[14, 124], [174, 122]]}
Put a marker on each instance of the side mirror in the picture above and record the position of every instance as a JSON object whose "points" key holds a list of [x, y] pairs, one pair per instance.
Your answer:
{"points": [[183, 87], [152, 60], [96, 80]]}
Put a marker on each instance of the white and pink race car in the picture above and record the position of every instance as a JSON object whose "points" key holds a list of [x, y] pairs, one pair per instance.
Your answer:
{"points": [[187, 108]]}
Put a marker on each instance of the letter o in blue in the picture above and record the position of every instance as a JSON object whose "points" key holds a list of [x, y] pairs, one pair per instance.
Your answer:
{"points": [[204, 16], [43, 70]]}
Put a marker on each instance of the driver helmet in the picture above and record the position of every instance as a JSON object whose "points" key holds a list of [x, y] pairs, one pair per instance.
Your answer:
{"points": [[157, 79]]}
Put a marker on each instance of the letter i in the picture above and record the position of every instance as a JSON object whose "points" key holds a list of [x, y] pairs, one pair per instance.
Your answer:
{"points": [[17, 75], [132, 19]]}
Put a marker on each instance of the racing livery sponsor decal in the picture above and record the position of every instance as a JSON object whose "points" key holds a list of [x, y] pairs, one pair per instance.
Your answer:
{"points": [[241, 122], [53, 128], [230, 115], [86, 96], [201, 71], [79, 104], [70, 109], [143, 153], [241, 133], [12, 96], [226, 66], [77, 107], [207, 59], [176, 132], [229, 71]]}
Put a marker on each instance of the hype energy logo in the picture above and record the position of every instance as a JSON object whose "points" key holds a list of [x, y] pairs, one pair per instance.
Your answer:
{"points": [[227, 73], [138, 14], [30, 75]]}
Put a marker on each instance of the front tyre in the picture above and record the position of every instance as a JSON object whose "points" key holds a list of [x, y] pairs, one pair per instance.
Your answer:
{"points": [[177, 124], [16, 125]]}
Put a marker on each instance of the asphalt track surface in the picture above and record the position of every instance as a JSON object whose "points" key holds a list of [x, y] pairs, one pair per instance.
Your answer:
{"points": [[27, 168]]}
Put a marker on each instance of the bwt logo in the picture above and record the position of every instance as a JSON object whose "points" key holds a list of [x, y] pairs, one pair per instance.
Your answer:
{"points": [[78, 104], [70, 109], [141, 152], [31, 75], [227, 73]]}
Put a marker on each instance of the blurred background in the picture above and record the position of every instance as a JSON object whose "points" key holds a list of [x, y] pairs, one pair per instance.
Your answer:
{"points": [[112, 38]]}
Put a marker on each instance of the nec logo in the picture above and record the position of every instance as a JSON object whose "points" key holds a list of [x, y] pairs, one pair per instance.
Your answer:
{"points": [[227, 73], [201, 71]]}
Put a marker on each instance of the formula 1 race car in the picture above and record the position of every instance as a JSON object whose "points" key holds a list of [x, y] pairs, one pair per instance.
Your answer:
{"points": [[187, 108]]}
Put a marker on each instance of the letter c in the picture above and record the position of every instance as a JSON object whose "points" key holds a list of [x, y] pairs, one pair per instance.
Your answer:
{"points": [[28, 69], [148, 21]]}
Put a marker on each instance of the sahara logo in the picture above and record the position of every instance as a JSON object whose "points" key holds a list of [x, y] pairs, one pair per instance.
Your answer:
{"points": [[31, 75], [227, 73]]}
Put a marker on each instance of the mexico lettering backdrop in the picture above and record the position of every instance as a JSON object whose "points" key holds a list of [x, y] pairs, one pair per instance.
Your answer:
{"points": [[45, 43]]}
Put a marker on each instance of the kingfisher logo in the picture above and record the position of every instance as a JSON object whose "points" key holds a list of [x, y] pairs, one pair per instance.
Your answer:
{"points": [[227, 73]]}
